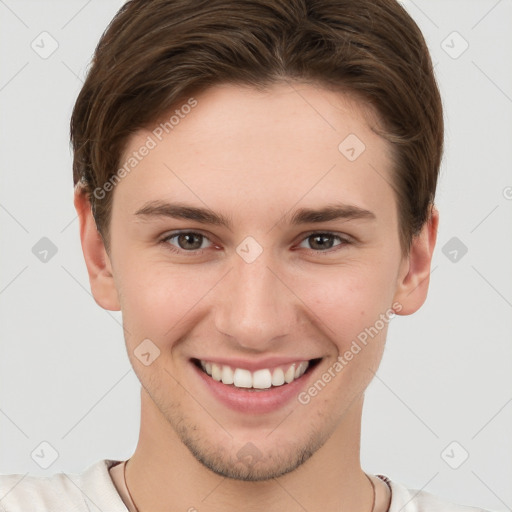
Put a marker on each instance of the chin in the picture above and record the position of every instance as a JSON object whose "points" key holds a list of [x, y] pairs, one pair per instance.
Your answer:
{"points": [[266, 468], [249, 463]]}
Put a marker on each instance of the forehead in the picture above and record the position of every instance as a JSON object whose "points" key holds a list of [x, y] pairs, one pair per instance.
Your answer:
{"points": [[247, 148]]}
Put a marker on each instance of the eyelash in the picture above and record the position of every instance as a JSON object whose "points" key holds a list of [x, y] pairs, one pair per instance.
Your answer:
{"points": [[197, 252]]}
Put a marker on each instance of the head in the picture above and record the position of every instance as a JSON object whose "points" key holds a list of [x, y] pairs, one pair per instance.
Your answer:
{"points": [[258, 116]]}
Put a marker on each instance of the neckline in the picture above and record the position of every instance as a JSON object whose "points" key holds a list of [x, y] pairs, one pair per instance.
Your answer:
{"points": [[117, 472]]}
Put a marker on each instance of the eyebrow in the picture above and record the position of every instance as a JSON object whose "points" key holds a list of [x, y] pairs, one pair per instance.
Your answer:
{"points": [[329, 212]]}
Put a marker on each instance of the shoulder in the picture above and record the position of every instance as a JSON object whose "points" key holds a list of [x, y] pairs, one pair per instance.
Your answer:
{"points": [[404, 499], [62, 492]]}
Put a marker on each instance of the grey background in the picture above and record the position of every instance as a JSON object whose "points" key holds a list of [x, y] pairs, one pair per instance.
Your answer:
{"points": [[65, 378]]}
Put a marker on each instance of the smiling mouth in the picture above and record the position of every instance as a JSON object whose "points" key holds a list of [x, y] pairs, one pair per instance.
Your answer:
{"points": [[263, 379]]}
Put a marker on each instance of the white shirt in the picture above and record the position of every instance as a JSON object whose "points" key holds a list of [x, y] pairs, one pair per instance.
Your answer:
{"points": [[95, 490]]}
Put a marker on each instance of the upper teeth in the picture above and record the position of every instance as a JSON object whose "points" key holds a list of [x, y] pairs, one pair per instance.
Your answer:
{"points": [[260, 379]]}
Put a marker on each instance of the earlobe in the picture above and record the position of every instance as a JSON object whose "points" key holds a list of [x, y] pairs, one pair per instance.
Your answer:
{"points": [[97, 260], [414, 278]]}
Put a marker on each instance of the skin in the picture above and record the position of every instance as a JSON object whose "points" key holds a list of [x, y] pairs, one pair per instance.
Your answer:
{"points": [[256, 157]]}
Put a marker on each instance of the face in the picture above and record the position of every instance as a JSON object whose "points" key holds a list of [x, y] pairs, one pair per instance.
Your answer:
{"points": [[255, 281]]}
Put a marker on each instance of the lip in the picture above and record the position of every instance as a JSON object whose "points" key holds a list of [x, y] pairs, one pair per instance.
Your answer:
{"points": [[254, 401]]}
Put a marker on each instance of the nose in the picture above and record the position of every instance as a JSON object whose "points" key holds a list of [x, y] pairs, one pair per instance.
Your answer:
{"points": [[256, 307]]}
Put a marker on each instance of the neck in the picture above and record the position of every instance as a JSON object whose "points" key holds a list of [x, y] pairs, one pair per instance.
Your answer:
{"points": [[162, 473]]}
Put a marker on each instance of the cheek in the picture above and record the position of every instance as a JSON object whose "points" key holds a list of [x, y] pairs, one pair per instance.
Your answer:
{"points": [[350, 300], [156, 297], [354, 306]]}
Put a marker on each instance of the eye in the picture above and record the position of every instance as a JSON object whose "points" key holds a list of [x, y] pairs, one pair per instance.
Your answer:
{"points": [[187, 241], [323, 242]]}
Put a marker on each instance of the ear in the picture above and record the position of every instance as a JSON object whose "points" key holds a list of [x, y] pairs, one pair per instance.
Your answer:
{"points": [[414, 276], [97, 260]]}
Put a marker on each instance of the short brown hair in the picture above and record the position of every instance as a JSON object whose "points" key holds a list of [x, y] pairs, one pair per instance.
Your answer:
{"points": [[155, 53]]}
